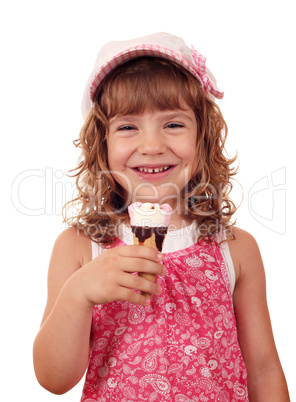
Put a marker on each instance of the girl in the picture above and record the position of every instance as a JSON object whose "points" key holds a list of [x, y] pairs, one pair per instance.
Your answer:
{"points": [[153, 133]]}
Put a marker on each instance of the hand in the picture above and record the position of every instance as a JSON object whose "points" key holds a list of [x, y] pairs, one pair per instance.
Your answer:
{"points": [[109, 276]]}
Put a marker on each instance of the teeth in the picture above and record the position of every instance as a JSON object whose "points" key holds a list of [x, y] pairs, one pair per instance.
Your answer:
{"points": [[156, 170]]}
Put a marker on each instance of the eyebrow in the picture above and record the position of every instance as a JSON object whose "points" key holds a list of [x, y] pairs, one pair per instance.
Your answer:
{"points": [[169, 114]]}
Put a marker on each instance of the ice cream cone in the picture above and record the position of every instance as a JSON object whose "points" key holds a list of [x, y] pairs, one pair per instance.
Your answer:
{"points": [[149, 225], [149, 242]]}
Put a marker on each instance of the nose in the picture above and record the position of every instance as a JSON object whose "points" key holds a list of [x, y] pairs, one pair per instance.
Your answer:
{"points": [[151, 143]]}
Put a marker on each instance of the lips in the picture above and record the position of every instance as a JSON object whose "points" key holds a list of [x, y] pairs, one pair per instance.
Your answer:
{"points": [[153, 172]]}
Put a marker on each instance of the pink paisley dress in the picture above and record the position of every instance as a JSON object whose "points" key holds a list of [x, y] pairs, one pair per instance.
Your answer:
{"points": [[183, 347]]}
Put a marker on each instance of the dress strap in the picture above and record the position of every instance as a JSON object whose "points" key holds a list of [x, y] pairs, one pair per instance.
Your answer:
{"points": [[227, 258], [96, 249]]}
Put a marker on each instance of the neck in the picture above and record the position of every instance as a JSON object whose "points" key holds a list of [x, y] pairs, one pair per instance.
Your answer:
{"points": [[179, 221]]}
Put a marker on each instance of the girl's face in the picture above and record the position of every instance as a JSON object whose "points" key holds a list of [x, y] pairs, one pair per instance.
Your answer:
{"points": [[153, 155]]}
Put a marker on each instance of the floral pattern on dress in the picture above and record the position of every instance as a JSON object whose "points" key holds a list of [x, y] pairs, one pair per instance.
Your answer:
{"points": [[182, 347]]}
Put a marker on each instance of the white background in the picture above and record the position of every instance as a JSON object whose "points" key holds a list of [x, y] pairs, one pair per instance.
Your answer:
{"points": [[47, 52]]}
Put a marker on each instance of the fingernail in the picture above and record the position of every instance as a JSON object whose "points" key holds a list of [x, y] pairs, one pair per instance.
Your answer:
{"points": [[159, 256], [164, 270], [159, 288], [147, 301]]}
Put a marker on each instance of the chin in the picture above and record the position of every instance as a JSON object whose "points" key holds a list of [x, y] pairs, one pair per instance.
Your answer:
{"points": [[159, 200], [158, 195]]}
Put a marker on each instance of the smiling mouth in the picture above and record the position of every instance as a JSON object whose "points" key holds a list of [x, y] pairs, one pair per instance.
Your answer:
{"points": [[153, 170]]}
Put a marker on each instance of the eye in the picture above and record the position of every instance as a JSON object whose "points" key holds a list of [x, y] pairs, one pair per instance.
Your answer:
{"points": [[126, 128], [174, 125]]}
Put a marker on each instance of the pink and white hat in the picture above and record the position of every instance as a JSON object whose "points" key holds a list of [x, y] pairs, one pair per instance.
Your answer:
{"points": [[163, 45]]}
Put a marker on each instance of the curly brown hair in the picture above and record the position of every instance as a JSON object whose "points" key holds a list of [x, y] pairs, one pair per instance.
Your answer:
{"points": [[149, 83]]}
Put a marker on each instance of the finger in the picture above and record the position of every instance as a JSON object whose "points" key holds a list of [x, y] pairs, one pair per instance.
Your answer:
{"points": [[140, 252], [137, 282], [142, 265], [126, 294], [149, 277]]}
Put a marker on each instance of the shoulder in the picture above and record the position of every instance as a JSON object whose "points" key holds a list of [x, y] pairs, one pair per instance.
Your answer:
{"points": [[75, 244], [71, 251], [242, 239], [244, 251]]}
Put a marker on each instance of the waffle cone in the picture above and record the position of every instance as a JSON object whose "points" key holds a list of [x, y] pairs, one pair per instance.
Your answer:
{"points": [[150, 242]]}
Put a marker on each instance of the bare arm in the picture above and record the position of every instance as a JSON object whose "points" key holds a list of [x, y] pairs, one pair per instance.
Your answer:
{"points": [[75, 285], [266, 380], [63, 339]]}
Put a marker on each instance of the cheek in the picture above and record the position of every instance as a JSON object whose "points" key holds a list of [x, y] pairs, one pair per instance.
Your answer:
{"points": [[118, 154], [116, 165], [187, 152], [192, 150], [194, 158], [112, 161], [190, 161], [114, 156]]}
